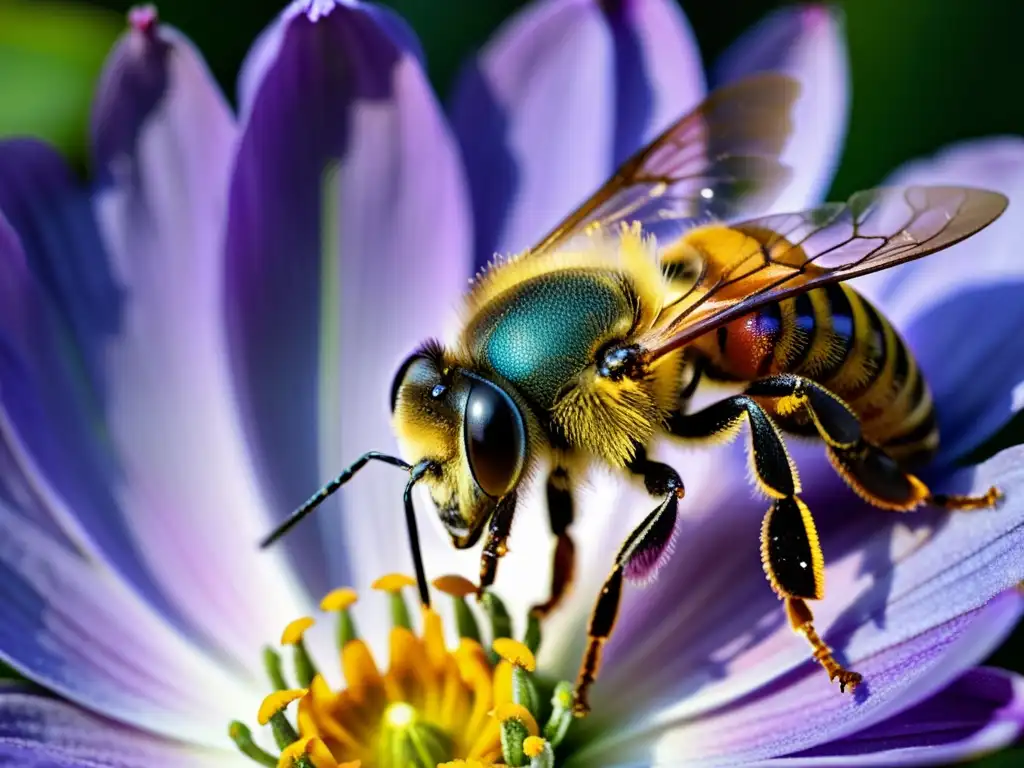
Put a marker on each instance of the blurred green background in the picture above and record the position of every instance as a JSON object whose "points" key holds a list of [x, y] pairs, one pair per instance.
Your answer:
{"points": [[925, 73]]}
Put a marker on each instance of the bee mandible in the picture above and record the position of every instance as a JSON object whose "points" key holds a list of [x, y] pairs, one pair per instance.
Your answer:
{"points": [[590, 345]]}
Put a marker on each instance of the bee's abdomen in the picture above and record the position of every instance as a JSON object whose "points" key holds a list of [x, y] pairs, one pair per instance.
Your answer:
{"points": [[835, 337]]}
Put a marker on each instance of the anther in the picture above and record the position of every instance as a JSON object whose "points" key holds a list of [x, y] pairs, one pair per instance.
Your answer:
{"points": [[305, 669], [459, 588], [539, 751], [524, 692], [341, 600], [515, 652], [272, 711], [242, 737], [393, 584], [511, 711], [313, 752]]}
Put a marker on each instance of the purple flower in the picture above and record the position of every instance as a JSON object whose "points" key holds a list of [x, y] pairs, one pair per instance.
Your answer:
{"points": [[192, 344]]}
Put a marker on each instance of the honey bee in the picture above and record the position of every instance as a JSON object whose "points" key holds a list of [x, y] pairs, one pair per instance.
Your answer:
{"points": [[590, 345]]}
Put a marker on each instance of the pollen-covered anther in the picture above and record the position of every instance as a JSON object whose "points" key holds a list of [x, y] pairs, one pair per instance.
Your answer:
{"points": [[339, 599], [430, 706], [315, 753], [510, 711], [295, 631], [533, 746], [393, 582], [277, 702], [515, 653]]}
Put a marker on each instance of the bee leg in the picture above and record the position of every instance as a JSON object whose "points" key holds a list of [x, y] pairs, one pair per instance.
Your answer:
{"points": [[496, 543], [560, 511], [867, 469], [790, 552], [646, 544]]}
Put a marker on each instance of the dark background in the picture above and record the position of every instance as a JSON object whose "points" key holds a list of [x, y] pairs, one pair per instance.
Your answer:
{"points": [[925, 73]]}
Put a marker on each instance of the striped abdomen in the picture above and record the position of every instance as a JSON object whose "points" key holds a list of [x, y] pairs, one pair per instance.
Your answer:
{"points": [[835, 337]]}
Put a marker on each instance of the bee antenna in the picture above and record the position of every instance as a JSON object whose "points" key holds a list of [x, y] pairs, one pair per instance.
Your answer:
{"points": [[320, 496], [415, 476], [416, 473]]}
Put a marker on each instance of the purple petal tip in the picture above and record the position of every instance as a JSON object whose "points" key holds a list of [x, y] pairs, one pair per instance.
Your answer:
{"points": [[314, 10], [143, 18]]}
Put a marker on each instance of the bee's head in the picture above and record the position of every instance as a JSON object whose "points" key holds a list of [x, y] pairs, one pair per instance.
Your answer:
{"points": [[469, 427]]}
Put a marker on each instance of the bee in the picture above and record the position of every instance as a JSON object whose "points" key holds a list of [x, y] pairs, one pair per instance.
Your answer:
{"points": [[589, 346]]}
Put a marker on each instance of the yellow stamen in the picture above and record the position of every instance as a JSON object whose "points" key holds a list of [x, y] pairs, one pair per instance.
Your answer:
{"points": [[316, 752], [533, 746], [293, 632], [516, 653], [339, 599], [456, 586], [431, 704], [276, 702], [511, 711], [393, 582]]}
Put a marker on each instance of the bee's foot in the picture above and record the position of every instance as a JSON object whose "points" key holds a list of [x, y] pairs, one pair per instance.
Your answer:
{"points": [[846, 678]]}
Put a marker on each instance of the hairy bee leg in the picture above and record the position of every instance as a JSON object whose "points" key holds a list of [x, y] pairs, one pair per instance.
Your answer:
{"points": [[868, 469], [651, 535], [790, 552], [495, 545], [560, 512]]}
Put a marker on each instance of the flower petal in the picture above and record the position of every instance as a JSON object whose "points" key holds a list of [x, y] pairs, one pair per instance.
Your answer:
{"points": [[808, 43], [658, 71], [74, 627], [980, 712], [976, 285], [566, 89], [804, 710], [57, 467], [890, 578], [348, 242], [164, 142], [41, 732]]}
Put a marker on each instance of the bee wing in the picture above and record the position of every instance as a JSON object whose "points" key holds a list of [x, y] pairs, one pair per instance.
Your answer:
{"points": [[788, 254], [717, 161]]}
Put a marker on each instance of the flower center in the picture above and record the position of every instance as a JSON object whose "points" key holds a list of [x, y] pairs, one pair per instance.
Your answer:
{"points": [[433, 706]]}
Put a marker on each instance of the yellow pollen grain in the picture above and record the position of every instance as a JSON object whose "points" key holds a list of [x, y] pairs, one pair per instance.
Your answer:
{"points": [[293, 632], [511, 711], [276, 702], [515, 652], [339, 599], [533, 746], [454, 585], [317, 752], [393, 582]]}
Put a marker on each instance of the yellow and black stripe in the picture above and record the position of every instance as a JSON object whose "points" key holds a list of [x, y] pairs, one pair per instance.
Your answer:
{"points": [[833, 336]]}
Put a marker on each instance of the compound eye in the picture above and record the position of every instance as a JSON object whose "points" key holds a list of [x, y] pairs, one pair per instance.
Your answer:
{"points": [[495, 439], [416, 367]]}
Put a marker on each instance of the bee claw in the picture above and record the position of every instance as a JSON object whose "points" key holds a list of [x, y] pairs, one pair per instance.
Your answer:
{"points": [[848, 679]]}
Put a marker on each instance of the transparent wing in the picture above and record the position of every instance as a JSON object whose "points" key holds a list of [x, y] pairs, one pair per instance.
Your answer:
{"points": [[720, 161], [743, 266]]}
